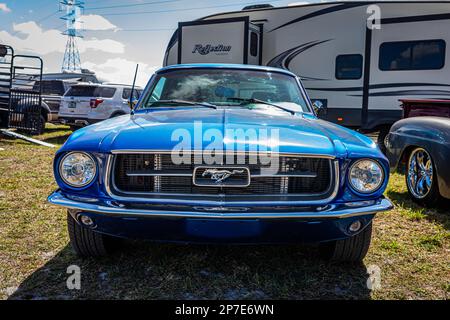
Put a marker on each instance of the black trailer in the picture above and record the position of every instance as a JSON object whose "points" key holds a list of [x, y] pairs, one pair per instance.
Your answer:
{"points": [[20, 91]]}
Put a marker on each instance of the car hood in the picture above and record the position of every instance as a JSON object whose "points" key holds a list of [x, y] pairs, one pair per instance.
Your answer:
{"points": [[263, 129]]}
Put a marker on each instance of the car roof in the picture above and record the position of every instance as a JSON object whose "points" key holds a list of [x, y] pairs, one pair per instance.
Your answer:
{"points": [[224, 66]]}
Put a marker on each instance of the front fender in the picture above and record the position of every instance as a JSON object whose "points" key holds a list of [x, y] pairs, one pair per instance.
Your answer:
{"points": [[400, 144]]}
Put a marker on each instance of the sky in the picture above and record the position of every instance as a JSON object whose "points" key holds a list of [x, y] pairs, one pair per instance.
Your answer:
{"points": [[117, 34]]}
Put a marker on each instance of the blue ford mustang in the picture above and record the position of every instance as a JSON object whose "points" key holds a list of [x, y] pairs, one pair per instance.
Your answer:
{"points": [[221, 154]]}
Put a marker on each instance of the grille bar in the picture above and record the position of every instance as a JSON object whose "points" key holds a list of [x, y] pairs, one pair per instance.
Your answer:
{"points": [[143, 173], [155, 174]]}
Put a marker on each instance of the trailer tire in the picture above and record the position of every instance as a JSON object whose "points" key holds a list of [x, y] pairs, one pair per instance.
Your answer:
{"points": [[87, 243], [382, 136], [36, 122], [352, 249]]}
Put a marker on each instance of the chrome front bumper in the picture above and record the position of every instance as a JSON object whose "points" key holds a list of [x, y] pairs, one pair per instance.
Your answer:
{"points": [[112, 208]]}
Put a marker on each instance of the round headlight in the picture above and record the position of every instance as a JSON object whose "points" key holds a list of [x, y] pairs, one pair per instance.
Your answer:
{"points": [[366, 176], [77, 169]]}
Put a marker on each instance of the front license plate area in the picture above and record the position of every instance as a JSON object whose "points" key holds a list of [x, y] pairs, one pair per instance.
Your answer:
{"points": [[222, 229]]}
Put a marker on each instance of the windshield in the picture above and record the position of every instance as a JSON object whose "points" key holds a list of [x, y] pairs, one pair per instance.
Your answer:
{"points": [[226, 87]]}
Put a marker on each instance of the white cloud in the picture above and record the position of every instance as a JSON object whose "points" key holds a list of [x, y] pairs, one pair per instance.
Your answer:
{"points": [[32, 38], [4, 7], [119, 70], [96, 22]]}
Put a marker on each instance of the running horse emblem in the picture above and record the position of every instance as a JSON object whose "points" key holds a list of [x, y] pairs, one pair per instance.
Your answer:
{"points": [[220, 175]]}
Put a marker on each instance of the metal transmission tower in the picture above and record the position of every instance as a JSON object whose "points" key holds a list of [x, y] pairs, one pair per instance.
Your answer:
{"points": [[73, 9]]}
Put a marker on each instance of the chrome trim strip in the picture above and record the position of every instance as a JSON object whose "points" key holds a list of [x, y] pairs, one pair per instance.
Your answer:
{"points": [[285, 175], [332, 211], [171, 174], [220, 199], [293, 155], [159, 174]]}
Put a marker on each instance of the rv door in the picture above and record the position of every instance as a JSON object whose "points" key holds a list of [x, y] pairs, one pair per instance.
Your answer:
{"points": [[408, 61], [233, 40]]}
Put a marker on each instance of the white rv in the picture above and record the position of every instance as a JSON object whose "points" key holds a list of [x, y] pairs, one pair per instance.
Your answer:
{"points": [[357, 70]]}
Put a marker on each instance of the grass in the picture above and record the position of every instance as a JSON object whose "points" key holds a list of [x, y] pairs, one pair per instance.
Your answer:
{"points": [[410, 246]]}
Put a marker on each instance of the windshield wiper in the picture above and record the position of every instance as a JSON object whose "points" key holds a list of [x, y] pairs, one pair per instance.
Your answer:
{"points": [[253, 100], [185, 102]]}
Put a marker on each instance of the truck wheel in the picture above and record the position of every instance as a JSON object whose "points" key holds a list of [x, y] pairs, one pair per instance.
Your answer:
{"points": [[353, 249], [421, 178], [87, 243], [38, 125], [381, 140]]}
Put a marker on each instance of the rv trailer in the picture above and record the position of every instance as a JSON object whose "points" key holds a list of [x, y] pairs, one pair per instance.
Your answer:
{"points": [[356, 72]]}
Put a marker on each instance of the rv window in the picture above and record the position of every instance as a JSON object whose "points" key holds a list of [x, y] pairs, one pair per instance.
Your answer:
{"points": [[349, 66], [253, 44], [412, 55]]}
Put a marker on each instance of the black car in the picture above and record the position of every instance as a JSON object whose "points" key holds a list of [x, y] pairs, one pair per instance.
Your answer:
{"points": [[420, 147], [54, 85], [52, 92]]}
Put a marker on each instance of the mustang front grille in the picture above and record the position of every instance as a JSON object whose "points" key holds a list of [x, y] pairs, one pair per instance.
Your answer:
{"points": [[156, 174]]}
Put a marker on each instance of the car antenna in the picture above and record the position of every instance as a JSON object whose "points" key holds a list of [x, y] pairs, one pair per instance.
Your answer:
{"points": [[132, 90]]}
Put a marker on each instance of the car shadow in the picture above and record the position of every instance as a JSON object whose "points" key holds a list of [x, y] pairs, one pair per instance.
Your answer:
{"points": [[142, 270], [58, 139], [440, 212], [53, 128]]}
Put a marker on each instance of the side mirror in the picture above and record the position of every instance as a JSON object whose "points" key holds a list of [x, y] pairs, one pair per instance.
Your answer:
{"points": [[319, 107], [132, 103]]}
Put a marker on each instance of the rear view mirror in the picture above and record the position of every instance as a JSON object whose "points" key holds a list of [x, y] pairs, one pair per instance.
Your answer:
{"points": [[224, 92]]}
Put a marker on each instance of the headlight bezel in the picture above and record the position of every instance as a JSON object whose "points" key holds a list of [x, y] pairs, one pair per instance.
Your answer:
{"points": [[379, 186], [68, 183]]}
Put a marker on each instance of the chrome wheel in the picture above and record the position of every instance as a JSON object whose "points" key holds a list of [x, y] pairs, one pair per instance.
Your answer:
{"points": [[420, 173]]}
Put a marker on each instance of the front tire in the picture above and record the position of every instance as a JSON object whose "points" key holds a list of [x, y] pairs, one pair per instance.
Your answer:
{"points": [[421, 178], [352, 249], [87, 243]]}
